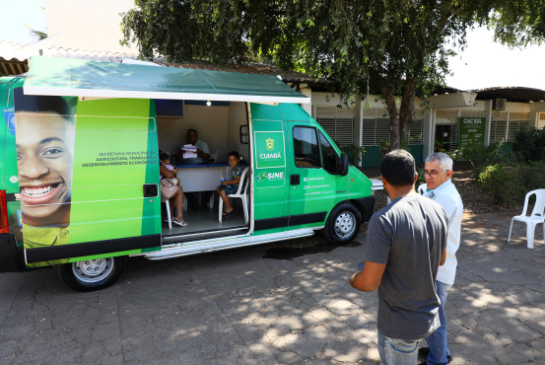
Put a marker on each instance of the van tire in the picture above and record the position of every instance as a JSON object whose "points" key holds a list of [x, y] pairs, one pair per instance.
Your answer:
{"points": [[343, 224], [75, 274]]}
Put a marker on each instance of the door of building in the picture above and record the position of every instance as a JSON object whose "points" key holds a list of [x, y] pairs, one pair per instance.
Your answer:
{"points": [[442, 138]]}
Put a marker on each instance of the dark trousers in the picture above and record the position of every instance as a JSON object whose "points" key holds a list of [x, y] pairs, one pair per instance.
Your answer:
{"points": [[192, 197]]}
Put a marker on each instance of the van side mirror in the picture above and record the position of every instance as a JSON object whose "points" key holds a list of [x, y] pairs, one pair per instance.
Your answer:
{"points": [[342, 164], [345, 164]]}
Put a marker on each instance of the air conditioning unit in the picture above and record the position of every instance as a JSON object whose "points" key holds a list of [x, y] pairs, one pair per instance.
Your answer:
{"points": [[500, 104]]}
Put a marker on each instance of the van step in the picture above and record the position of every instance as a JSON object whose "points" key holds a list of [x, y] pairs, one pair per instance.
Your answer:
{"points": [[205, 246]]}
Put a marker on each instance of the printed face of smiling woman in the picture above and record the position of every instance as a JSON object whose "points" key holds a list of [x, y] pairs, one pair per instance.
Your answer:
{"points": [[45, 143]]}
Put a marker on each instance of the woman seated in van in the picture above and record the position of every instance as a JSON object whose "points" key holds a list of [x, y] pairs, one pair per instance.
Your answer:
{"points": [[165, 161], [167, 171], [230, 186]]}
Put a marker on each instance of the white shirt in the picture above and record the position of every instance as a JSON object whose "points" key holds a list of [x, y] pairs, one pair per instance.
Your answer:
{"points": [[448, 198]]}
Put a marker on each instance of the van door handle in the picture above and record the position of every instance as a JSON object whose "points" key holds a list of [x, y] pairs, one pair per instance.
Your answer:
{"points": [[295, 179], [151, 191]]}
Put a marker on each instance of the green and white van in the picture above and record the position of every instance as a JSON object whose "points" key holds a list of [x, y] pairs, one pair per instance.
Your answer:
{"points": [[79, 173]]}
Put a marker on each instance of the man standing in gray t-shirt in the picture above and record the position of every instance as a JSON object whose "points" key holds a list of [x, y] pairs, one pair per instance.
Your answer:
{"points": [[406, 243]]}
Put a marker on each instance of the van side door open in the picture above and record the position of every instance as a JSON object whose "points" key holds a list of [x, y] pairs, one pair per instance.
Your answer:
{"points": [[270, 181]]}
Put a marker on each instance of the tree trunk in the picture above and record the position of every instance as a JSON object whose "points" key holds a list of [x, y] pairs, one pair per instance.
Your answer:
{"points": [[395, 140], [406, 109]]}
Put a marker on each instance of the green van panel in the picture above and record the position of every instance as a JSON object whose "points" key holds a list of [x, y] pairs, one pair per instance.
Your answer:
{"points": [[295, 112], [8, 164], [116, 154], [270, 180], [98, 154]]}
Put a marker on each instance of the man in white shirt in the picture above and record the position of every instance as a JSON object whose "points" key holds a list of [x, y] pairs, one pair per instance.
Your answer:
{"points": [[203, 154], [438, 174]]}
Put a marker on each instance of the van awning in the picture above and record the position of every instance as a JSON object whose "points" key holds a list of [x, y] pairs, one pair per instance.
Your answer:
{"points": [[75, 77]]}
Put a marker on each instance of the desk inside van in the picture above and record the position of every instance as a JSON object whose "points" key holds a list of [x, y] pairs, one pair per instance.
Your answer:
{"points": [[199, 177]]}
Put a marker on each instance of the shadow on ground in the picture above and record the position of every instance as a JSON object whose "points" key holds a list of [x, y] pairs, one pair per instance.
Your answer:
{"points": [[236, 307]]}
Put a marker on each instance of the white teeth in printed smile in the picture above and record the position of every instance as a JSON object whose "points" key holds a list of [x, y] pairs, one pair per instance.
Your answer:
{"points": [[37, 192]]}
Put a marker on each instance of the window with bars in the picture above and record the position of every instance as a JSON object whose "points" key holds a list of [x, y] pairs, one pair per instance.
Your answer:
{"points": [[453, 137], [341, 130], [416, 131], [375, 130], [337, 122], [515, 125], [497, 130]]}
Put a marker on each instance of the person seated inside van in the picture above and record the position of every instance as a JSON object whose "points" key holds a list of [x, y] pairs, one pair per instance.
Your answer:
{"points": [[203, 154], [166, 171], [230, 186], [165, 161]]}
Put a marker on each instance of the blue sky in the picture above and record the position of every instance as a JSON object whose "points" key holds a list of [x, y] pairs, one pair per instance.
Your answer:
{"points": [[483, 64]]}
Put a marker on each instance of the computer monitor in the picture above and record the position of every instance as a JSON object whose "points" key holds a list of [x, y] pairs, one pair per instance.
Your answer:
{"points": [[222, 156]]}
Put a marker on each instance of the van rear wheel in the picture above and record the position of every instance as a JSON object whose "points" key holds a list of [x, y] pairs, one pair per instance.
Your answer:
{"points": [[89, 275], [343, 224]]}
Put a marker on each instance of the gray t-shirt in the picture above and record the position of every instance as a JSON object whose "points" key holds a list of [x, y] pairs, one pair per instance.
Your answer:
{"points": [[408, 235]]}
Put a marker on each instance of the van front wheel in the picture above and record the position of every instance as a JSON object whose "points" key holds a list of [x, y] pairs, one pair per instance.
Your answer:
{"points": [[89, 275], [343, 224]]}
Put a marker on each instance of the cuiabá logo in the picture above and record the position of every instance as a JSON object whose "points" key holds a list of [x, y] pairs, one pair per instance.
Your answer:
{"points": [[270, 144]]}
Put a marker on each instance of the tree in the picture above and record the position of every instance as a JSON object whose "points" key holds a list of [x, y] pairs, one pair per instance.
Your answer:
{"points": [[519, 23], [395, 48]]}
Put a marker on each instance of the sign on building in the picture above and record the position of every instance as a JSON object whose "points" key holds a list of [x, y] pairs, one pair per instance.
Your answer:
{"points": [[471, 129]]}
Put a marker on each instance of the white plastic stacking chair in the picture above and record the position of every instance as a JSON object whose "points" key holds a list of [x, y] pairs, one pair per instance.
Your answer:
{"points": [[534, 219], [167, 204], [422, 188], [243, 185]]}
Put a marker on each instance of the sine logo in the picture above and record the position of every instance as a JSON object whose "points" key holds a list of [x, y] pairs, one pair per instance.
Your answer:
{"points": [[270, 176]]}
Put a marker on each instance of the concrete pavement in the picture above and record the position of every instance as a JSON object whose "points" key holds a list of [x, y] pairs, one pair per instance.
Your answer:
{"points": [[236, 307]]}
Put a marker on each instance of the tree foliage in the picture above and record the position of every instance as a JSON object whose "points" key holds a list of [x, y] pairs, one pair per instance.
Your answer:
{"points": [[519, 23], [398, 49], [530, 144]]}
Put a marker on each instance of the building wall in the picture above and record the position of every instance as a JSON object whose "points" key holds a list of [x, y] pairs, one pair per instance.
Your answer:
{"points": [[236, 118], [499, 124], [86, 24], [364, 112], [210, 122]]}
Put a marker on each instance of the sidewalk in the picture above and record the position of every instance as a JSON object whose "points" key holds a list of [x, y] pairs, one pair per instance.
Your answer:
{"points": [[237, 307]]}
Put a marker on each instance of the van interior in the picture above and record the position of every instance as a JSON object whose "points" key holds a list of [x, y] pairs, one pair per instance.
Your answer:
{"points": [[224, 127]]}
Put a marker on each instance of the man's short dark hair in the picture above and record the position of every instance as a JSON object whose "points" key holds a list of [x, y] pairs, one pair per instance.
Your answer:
{"points": [[193, 130], [398, 168], [234, 153], [42, 104]]}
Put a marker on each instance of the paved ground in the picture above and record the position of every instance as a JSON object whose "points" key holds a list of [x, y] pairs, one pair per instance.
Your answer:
{"points": [[235, 307]]}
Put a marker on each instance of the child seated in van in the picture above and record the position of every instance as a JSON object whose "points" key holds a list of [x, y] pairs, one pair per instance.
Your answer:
{"points": [[165, 161], [230, 186]]}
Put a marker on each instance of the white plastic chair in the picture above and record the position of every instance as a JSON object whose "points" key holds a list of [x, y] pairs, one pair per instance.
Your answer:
{"points": [[378, 185], [239, 194], [422, 188], [167, 204], [534, 219]]}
